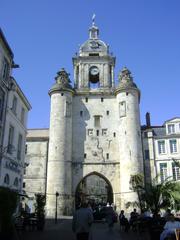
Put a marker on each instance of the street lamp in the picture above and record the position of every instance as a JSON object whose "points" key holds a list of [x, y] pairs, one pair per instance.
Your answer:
{"points": [[57, 195]]}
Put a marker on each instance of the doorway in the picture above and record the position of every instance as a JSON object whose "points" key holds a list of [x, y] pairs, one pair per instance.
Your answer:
{"points": [[95, 189]]}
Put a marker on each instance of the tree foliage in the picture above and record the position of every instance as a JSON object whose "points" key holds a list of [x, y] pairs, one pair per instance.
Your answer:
{"points": [[156, 196], [40, 204], [40, 209]]}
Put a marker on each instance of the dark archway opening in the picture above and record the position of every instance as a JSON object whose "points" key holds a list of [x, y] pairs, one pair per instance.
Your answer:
{"points": [[94, 77], [95, 189]]}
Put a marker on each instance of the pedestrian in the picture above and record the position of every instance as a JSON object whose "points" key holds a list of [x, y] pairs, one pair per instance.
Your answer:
{"points": [[89, 207], [167, 214], [82, 221], [146, 214], [123, 221], [133, 219], [110, 217], [170, 227]]}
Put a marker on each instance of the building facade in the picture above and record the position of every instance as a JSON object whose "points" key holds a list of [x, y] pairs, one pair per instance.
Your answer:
{"points": [[14, 109], [94, 130], [161, 147], [6, 63]]}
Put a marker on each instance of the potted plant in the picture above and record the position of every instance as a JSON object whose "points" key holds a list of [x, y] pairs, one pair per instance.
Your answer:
{"points": [[40, 210]]}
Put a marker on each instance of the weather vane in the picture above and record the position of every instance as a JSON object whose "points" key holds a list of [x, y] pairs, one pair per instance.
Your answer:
{"points": [[93, 19]]}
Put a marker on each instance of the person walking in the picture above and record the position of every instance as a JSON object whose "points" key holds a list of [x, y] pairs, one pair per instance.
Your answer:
{"points": [[82, 221], [133, 219], [170, 227], [123, 221], [110, 214]]}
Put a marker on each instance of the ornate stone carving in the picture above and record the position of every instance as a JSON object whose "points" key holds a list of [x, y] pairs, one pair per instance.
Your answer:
{"points": [[62, 79], [126, 80], [94, 44], [125, 75]]}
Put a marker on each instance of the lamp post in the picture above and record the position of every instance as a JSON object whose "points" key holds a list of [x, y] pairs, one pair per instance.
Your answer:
{"points": [[57, 195]]}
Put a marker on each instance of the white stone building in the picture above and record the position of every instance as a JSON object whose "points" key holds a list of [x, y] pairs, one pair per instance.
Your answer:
{"points": [[14, 108], [161, 146], [13, 158], [94, 130], [6, 63]]}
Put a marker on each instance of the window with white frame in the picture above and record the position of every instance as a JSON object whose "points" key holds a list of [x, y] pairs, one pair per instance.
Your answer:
{"points": [[171, 128], [161, 147], [5, 71], [173, 145], [175, 172], [163, 171], [1, 104], [10, 140], [14, 104], [19, 147], [22, 115]]}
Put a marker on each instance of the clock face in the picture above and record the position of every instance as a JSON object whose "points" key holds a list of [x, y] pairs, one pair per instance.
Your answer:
{"points": [[94, 71]]}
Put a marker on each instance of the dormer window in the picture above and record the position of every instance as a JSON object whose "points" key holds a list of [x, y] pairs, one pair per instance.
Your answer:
{"points": [[171, 128]]}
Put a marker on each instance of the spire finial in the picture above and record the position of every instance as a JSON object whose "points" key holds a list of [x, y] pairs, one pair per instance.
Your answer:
{"points": [[93, 31], [93, 19]]}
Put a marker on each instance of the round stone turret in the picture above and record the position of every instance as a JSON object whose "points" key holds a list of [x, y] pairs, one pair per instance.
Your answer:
{"points": [[130, 146], [59, 178]]}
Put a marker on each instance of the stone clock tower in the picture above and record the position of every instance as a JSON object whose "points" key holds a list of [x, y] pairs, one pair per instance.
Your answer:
{"points": [[94, 67], [94, 128]]}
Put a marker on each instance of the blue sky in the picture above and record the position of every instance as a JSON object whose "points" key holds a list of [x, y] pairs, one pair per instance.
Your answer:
{"points": [[143, 35]]}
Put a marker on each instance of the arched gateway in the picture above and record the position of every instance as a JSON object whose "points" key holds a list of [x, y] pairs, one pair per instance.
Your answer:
{"points": [[95, 189], [94, 130]]}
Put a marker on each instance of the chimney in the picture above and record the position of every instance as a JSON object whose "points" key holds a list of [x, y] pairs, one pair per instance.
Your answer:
{"points": [[148, 120]]}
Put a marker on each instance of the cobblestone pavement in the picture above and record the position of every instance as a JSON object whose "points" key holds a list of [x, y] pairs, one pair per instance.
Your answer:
{"points": [[62, 230]]}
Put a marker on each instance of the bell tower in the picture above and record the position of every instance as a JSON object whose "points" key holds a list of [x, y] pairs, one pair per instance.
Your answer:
{"points": [[93, 64]]}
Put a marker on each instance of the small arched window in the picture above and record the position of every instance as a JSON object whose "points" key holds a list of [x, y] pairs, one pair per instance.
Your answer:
{"points": [[6, 179], [16, 182]]}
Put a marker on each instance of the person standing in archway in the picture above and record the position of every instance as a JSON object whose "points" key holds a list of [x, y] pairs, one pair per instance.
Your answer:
{"points": [[82, 221]]}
